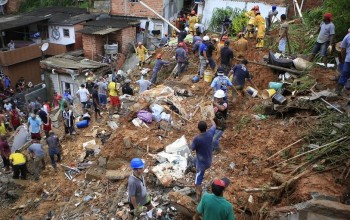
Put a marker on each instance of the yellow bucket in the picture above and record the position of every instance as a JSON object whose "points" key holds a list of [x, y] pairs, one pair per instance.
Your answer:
{"points": [[267, 93], [208, 76]]}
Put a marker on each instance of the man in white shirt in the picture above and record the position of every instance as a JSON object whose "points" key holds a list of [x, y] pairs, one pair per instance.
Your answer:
{"points": [[144, 84], [84, 96], [7, 105]]}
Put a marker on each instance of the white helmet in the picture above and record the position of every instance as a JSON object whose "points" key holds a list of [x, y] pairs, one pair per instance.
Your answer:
{"points": [[187, 29], [196, 25], [206, 38], [219, 94]]}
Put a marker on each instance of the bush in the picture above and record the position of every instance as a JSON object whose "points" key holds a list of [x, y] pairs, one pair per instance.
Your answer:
{"points": [[237, 16]]}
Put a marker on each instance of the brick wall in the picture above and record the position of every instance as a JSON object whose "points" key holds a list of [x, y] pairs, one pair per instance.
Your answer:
{"points": [[125, 7], [123, 37], [93, 46]]}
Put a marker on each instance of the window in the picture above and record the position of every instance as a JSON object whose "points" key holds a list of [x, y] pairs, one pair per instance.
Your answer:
{"points": [[66, 32]]}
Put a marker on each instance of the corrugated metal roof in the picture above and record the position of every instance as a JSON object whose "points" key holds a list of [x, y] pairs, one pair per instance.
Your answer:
{"points": [[107, 25], [71, 62], [9, 22], [55, 15]]}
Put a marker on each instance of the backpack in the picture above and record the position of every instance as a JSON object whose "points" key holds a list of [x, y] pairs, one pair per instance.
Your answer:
{"points": [[220, 121]]}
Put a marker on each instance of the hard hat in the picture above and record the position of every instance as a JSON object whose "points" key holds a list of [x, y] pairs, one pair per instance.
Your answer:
{"points": [[127, 81], [195, 79], [181, 44], [196, 25], [139, 43], [159, 56], [206, 38], [220, 71], [137, 163], [187, 29], [328, 16], [274, 8], [219, 94], [193, 12]]}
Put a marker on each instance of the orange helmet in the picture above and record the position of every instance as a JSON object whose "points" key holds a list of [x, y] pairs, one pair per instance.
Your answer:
{"points": [[193, 12], [159, 56], [181, 44], [328, 16]]}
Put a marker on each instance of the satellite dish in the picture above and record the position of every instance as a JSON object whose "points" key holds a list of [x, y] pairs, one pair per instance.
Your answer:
{"points": [[43, 47], [3, 2]]}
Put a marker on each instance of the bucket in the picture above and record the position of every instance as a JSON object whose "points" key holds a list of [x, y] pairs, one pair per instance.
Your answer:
{"points": [[251, 91], [82, 124], [208, 76], [275, 85], [267, 93], [278, 99]]}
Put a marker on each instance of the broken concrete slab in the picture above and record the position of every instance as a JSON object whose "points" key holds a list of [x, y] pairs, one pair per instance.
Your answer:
{"points": [[127, 142], [117, 174], [94, 173], [114, 164], [183, 204], [102, 161]]}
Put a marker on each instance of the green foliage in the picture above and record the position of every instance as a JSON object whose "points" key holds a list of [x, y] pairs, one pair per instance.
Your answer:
{"points": [[340, 10], [219, 14], [239, 21], [236, 15], [30, 5]]}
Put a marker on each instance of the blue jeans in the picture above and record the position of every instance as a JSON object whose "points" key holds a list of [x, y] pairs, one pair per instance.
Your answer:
{"points": [[321, 47], [52, 153], [217, 136], [345, 73], [102, 99]]}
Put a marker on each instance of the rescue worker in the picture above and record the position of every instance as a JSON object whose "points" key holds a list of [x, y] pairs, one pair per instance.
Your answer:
{"points": [[226, 23], [141, 52], [137, 191], [259, 22], [345, 61], [203, 59], [192, 21], [220, 110], [269, 19], [325, 38], [164, 40], [181, 58], [251, 20], [226, 56], [19, 165], [241, 45], [173, 31], [157, 66], [282, 35]]}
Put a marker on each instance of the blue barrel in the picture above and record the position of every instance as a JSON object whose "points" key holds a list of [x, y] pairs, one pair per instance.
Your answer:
{"points": [[82, 124], [275, 85]]}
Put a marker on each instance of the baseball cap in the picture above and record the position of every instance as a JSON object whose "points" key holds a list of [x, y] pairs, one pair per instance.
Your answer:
{"points": [[224, 182], [220, 71]]}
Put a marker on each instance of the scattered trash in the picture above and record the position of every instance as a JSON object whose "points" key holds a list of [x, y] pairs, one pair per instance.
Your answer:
{"points": [[260, 117], [232, 165], [87, 198], [145, 116], [113, 125], [251, 91]]}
